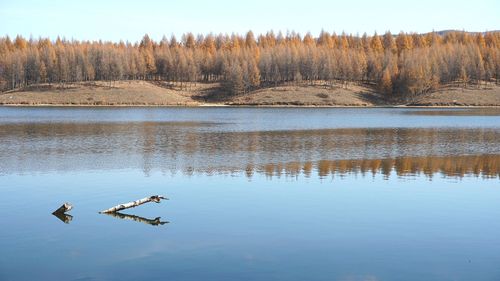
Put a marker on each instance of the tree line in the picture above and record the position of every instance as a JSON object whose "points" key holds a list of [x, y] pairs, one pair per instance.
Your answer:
{"points": [[403, 64]]}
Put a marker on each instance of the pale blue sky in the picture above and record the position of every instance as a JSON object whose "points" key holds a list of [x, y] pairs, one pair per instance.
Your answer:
{"points": [[130, 20]]}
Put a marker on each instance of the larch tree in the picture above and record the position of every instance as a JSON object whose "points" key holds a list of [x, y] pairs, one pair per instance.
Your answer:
{"points": [[389, 43], [385, 84]]}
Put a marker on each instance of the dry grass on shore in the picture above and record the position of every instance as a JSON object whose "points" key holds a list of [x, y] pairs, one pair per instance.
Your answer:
{"points": [[99, 93], [143, 93], [485, 95]]}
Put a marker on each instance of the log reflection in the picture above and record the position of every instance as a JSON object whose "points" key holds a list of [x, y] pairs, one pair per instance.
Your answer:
{"points": [[63, 217], [155, 222]]}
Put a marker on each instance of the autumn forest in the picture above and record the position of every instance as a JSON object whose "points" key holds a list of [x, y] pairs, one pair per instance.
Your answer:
{"points": [[402, 65]]}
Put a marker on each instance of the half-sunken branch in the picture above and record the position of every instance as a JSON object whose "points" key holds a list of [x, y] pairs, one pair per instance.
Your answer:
{"points": [[66, 207], [155, 222], [154, 198], [60, 213]]}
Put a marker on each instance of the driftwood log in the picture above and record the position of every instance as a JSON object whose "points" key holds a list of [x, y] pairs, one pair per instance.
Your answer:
{"points": [[154, 198], [60, 213], [155, 222], [66, 207]]}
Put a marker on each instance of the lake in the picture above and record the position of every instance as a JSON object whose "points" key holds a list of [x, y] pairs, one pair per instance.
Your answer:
{"points": [[255, 193]]}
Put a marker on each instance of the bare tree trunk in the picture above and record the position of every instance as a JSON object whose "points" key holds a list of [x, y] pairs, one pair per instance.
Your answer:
{"points": [[154, 198]]}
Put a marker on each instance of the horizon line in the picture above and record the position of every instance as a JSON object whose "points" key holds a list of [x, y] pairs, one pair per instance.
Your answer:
{"points": [[287, 34]]}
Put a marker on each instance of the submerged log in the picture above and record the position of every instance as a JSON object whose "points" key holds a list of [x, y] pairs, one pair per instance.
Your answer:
{"points": [[154, 198], [66, 207], [155, 222], [60, 213]]}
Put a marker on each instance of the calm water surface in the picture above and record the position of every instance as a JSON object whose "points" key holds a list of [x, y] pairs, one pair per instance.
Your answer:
{"points": [[255, 194]]}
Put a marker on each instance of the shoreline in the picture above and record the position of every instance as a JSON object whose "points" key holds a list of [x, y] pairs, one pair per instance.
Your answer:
{"points": [[250, 106]]}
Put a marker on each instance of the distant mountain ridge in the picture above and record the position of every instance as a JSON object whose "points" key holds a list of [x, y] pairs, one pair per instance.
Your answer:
{"points": [[444, 32]]}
